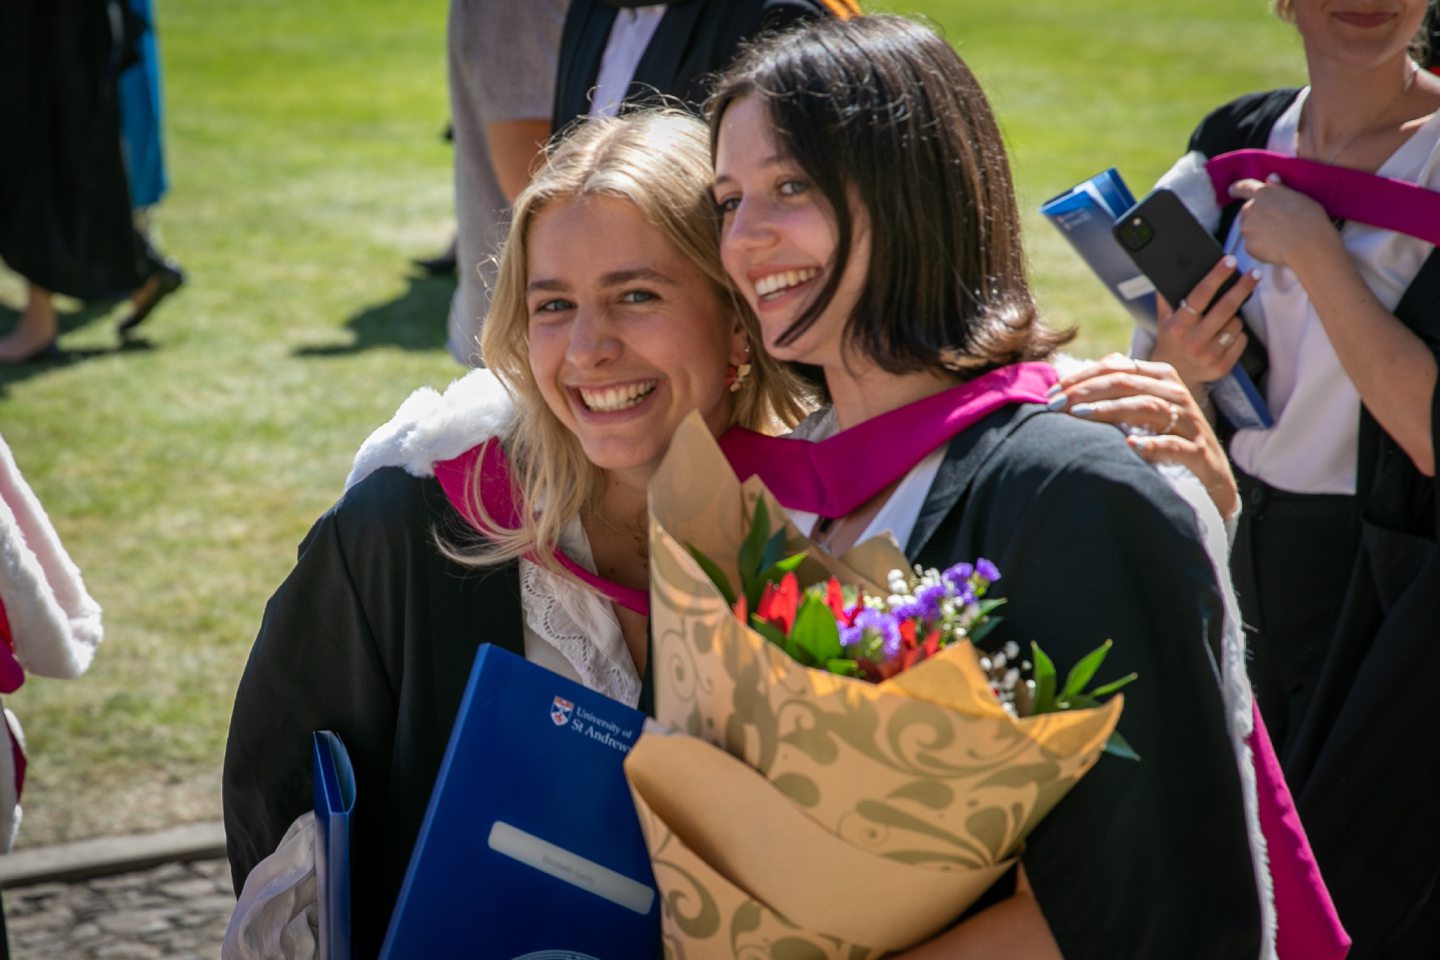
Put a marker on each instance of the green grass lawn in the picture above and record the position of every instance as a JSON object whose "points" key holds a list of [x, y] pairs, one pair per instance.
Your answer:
{"points": [[307, 169]]}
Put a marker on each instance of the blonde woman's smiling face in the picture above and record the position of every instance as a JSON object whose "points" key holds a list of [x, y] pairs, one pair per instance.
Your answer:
{"points": [[778, 237], [627, 335]]}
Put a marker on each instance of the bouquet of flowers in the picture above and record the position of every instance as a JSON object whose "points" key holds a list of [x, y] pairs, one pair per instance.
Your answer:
{"points": [[801, 808]]}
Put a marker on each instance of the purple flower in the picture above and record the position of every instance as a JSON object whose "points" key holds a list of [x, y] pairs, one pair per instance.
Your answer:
{"points": [[958, 575], [964, 594], [987, 570], [929, 598], [849, 636], [910, 610], [884, 624]]}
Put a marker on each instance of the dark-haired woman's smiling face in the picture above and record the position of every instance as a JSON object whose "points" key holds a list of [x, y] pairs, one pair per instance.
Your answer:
{"points": [[778, 237]]}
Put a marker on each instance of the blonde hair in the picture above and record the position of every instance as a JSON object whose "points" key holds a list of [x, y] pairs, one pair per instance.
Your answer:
{"points": [[658, 160]]}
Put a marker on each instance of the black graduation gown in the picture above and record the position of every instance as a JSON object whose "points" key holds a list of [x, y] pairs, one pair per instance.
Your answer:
{"points": [[372, 635], [695, 38], [1147, 859], [1364, 764], [65, 219]]}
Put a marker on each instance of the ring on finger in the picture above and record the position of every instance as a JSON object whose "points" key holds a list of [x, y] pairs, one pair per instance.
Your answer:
{"points": [[1134, 363], [1226, 338], [1174, 418], [1185, 305]]}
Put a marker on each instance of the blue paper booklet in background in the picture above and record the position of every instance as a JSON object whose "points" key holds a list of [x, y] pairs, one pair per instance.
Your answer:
{"points": [[530, 847], [334, 782], [1084, 215]]}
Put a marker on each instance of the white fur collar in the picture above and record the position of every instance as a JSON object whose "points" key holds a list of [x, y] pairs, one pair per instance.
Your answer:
{"points": [[431, 426], [55, 623]]}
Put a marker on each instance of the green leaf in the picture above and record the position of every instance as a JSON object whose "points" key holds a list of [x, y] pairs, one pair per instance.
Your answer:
{"points": [[777, 570], [1044, 680], [716, 575], [752, 550], [1113, 685], [772, 633], [1118, 746], [845, 668], [815, 630], [978, 631], [773, 552], [1082, 672], [984, 607]]}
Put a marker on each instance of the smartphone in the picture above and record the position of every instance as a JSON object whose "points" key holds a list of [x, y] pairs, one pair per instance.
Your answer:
{"points": [[1175, 252]]}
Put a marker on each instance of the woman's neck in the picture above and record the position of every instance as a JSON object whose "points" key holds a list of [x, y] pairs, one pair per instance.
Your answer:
{"points": [[861, 391], [618, 531], [1347, 102]]}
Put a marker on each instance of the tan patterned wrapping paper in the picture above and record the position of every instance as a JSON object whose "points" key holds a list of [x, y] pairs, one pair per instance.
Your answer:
{"points": [[838, 818]]}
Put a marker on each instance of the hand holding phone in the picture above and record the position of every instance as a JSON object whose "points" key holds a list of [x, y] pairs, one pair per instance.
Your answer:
{"points": [[1177, 253]]}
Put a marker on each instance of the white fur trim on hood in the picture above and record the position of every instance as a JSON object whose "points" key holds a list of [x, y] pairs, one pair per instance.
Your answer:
{"points": [[55, 623], [431, 426]]}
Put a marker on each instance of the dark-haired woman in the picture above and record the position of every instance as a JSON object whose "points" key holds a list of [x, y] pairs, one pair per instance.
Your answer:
{"points": [[1336, 559], [870, 220]]}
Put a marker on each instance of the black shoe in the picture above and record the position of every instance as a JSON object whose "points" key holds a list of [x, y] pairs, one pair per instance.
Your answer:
{"points": [[440, 266], [169, 278]]}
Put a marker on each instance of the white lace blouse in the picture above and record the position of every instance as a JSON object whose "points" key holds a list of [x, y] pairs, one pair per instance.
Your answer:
{"points": [[573, 631]]}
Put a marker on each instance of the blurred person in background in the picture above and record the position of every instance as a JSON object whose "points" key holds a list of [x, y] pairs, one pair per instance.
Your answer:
{"points": [[502, 59], [1335, 560], [622, 51], [82, 108]]}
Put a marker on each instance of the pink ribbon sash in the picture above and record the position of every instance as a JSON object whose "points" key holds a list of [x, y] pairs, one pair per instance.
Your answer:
{"points": [[1344, 193], [832, 477], [1307, 925], [497, 494]]}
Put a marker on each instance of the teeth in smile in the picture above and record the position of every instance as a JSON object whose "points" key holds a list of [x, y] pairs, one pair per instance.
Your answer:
{"points": [[778, 283], [611, 399]]}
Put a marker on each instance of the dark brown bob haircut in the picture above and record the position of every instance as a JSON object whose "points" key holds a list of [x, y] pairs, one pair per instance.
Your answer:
{"points": [[880, 109]]}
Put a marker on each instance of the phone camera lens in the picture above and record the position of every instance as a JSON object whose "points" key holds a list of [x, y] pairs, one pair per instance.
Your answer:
{"points": [[1136, 233]]}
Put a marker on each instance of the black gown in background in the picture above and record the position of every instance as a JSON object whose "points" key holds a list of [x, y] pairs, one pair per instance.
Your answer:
{"points": [[1361, 756], [695, 38], [65, 218]]}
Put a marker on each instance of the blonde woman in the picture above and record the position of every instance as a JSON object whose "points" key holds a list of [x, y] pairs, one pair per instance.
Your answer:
{"points": [[612, 320]]}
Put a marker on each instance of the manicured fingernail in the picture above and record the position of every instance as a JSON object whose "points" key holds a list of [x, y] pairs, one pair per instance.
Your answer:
{"points": [[1054, 389], [1255, 274], [1140, 443], [1274, 178], [1083, 409], [1231, 263], [1058, 402]]}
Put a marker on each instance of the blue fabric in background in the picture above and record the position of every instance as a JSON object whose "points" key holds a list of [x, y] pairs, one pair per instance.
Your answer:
{"points": [[140, 118]]}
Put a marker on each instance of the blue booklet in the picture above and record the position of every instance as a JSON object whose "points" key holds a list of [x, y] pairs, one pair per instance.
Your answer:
{"points": [[530, 847], [334, 802], [1084, 215]]}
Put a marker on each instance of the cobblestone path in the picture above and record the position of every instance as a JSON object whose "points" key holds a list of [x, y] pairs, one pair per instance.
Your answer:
{"points": [[178, 910]]}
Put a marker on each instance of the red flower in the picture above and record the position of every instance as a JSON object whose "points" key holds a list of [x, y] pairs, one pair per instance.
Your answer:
{"points": [[778, 605], [835, 600]]}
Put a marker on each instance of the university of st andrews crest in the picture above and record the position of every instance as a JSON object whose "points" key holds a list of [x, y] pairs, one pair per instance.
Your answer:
{"points": [[560, 711]]}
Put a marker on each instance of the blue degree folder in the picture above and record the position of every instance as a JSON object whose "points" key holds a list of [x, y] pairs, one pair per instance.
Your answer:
{"points": [[1084, 215], [530, 849], [334, 801]]}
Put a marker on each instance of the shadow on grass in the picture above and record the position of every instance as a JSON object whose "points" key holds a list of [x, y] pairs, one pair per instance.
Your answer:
{"points": [[415, 320], [70, 321]]}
